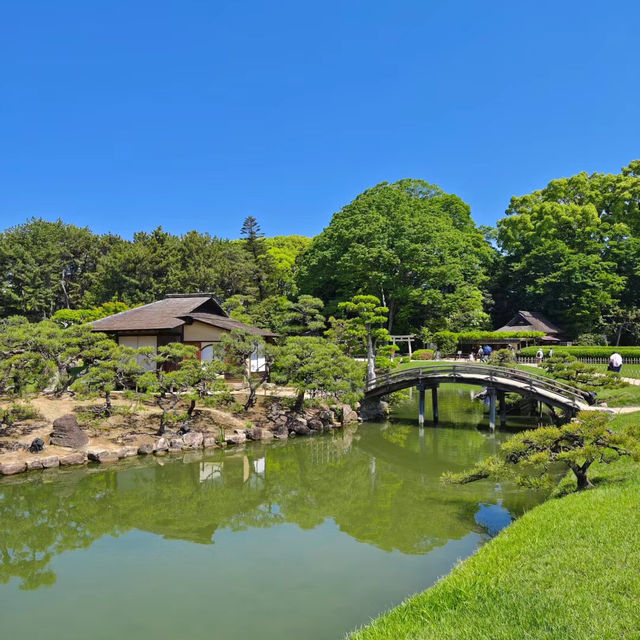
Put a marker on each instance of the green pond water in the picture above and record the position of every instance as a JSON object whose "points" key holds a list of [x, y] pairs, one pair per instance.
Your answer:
{"points": [[308, 538]]}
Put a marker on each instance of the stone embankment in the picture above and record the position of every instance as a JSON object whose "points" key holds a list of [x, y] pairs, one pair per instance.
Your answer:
{"points": [[65, 443]]}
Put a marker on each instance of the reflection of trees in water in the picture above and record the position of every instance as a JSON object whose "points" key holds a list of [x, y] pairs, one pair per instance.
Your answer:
{"points": [[380, 490]]}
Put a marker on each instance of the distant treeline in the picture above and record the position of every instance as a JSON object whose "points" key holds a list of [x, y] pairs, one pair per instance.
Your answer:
{"points": [[570, 250]]}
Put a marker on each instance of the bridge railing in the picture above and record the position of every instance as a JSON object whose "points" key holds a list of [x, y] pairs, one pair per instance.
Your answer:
{"points": [[532, 380]]}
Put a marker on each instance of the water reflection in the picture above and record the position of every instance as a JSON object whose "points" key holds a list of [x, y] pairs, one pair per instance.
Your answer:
{"points": [[378, 483]]}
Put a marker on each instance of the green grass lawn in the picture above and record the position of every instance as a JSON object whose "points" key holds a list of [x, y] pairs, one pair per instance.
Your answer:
{"points": [[568, 569]]}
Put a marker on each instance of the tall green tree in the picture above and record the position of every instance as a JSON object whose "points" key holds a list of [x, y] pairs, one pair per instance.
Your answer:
{"points": [[368, 317], [410, 244], [571, 250]]}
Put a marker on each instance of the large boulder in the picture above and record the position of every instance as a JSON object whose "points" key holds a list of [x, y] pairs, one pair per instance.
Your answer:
{"points": [[315, 424], [193, 440], [327, 416], [103, 455], [374, 409], [145, 448], [281, 431], [348, 414], [259, 433], [67, 433], [238, 437], [9, 468], [72, 458], [298, 426], [44, 462], [162, 444]]}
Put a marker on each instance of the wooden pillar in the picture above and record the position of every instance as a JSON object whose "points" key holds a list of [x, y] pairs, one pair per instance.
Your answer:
{"points": [[434, 404], [503, 408], [492, 408], [421, 390]]}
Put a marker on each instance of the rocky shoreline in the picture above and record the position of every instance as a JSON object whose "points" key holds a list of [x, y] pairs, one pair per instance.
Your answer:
{"points": [[65, 443]]}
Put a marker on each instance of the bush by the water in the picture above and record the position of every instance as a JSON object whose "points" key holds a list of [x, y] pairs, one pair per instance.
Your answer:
{"points": [[584, 351], [423, 354]]}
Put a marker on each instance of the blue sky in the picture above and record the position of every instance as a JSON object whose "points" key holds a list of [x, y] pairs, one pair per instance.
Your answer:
{"points": [[194, 114]]}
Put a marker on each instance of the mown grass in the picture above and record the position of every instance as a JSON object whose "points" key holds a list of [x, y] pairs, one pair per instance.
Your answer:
{"points": [[570, 568]]}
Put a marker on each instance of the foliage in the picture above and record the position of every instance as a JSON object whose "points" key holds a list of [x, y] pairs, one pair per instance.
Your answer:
{"points": [[16, 412], [566, 367], [236, 349], [179, 377], [423, 354], [479, 336], [119, 367], [585, 352], [45, 356], [529, 456], [503, 358], [571, 249], [67, 317], [591, 340], [317, 366], [367, 317], [410, 244], [446, 342]]}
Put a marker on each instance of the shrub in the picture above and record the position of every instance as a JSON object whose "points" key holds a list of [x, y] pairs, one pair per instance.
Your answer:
{"points": [[503, 358], [592, 340], [17, 412], [446, 341], [566, 367], [423, 354], [405, 359], [585, 352]]}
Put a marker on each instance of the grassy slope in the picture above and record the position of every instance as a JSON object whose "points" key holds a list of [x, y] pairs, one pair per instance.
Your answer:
{"points": [[569, 568]]}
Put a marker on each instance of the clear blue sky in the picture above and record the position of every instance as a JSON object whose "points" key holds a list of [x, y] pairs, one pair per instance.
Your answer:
{"points": [[194, 114]]}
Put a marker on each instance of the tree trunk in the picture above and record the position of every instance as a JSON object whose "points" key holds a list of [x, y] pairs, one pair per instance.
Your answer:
{"points": [[108, 409], [192, 406], [619, 335], [581, 479], [371, 357], [299, 404]]}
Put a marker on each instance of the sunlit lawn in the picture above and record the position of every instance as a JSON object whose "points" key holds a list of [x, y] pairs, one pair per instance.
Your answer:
{"points": [[570, 568]]}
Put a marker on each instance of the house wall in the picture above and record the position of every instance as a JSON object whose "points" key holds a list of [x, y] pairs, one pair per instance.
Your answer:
{"points": [[201, 332], [135, 342]]}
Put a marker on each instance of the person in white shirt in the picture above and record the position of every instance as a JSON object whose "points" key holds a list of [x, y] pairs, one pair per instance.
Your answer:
{"points": [[539, 356], [615, 362]]}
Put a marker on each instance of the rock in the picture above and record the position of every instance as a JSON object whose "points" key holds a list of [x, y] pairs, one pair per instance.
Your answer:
{"points": [[128, 451], [236, 438], [209, 442], [162, 444], [145, 448], [274, 411], [374, 409], [259, 433], [193, 440], [67, 433], [47, 462], [316, 425], [281, 431], [298, 426], [327, 416], [36, 446], [348, 414], [102, 455], [176, 444], [76, 457], [9, 468]]}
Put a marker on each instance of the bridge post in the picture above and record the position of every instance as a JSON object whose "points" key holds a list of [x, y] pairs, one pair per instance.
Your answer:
{"points": [[434, 404], [503, 408], [492, 408]]}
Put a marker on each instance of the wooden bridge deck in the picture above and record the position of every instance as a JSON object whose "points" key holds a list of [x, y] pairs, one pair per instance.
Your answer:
{"points": [[544, 389]]}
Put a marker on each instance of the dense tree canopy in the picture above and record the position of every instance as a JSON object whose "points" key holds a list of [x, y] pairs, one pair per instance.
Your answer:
{"points": [[572, 250], [410, 244]]}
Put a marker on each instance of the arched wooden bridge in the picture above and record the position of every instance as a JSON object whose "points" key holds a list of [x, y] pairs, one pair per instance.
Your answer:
{"points": [[497, 380]]}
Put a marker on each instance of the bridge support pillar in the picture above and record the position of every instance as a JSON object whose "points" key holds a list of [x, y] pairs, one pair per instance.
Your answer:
{"points": [[492, 408], [503, 408], [421, 389], [434, 404]]}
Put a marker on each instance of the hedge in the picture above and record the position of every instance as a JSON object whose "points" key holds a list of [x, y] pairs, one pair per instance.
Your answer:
{"points": [[585, 352], [479, 336]]}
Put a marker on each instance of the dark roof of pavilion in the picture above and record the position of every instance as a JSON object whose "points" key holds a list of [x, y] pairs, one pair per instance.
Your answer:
{"points": [[530, 321]]}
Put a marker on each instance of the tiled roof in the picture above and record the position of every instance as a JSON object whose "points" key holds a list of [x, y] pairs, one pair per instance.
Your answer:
{"points": [[230, 324], [163, 314]]}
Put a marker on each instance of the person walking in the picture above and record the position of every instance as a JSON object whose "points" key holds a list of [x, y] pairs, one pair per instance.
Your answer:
{"points": [[539, 356], [615, 362], [550, 354]]}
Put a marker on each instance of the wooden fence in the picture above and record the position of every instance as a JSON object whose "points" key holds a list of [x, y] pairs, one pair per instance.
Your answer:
{"points": [[534, 360]]}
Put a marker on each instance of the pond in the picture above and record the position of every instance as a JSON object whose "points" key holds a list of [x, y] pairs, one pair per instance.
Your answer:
{"points": [[308, 538]]}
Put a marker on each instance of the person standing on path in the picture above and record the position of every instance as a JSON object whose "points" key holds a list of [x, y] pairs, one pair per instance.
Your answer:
{"points": [[539, 356], [615, 362]]}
